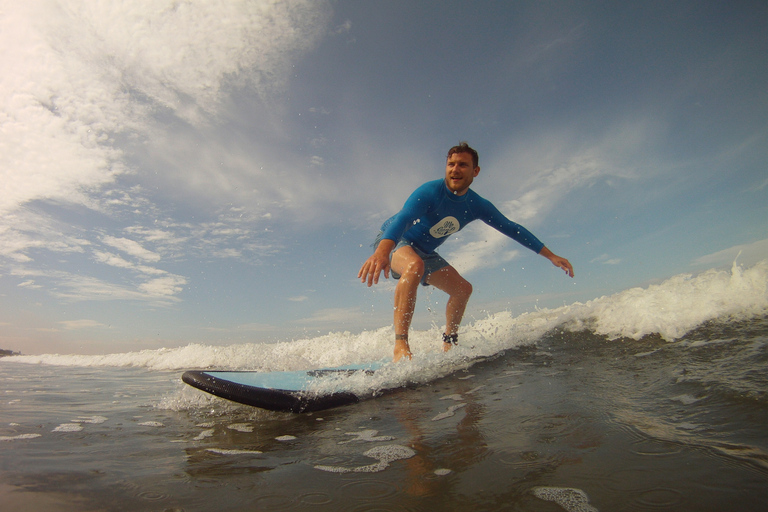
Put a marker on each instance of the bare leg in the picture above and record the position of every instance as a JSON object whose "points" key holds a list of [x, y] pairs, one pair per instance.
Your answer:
{"points": [[458, 290], [411, 268]]}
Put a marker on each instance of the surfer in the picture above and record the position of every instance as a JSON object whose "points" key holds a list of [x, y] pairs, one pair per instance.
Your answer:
{"points": [[407, 242]]}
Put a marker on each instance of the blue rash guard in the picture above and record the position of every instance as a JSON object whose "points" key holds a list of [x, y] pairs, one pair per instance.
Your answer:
{"points": [[433, 212]]}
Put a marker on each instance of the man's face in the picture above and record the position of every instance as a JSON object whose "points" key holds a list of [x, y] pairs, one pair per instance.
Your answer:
{"points": [[459, 173]]}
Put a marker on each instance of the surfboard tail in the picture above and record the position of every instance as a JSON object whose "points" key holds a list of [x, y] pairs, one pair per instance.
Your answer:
{"points": [[266, 398]]}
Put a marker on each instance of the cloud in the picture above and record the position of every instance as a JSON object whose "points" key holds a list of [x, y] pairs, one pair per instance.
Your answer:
{"points": [[332, 317], [131, 247], [545, 169], [486, 247], [80, 324], [164, 286], [84, 85], [25, 232], [747, 254], [116, 261], [79, 287], [79, 77], [606, 260], [343, 28]]}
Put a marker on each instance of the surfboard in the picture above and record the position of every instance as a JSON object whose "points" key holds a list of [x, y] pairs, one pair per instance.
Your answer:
{"points": [[294, 391]]}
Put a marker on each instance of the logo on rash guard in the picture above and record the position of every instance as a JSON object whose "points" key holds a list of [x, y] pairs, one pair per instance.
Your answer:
{"points": [[445, 227]]}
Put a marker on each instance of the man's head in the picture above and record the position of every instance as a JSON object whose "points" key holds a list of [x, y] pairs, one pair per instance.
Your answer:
{"points": [[463, 147], [461, 168]]}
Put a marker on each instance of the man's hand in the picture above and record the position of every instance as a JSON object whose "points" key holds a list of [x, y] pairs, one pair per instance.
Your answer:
{"points": [[378, 262], [557, 261]]}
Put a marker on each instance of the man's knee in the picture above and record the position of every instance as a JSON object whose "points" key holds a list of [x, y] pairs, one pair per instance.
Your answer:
{"points": [[414, 269], [464, 289]]}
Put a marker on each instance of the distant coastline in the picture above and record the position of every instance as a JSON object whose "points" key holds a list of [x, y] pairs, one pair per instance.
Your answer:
{"points": [[4, 353]]}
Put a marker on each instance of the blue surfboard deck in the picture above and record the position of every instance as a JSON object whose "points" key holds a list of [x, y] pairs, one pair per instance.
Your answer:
{"points": [[280, 391]]}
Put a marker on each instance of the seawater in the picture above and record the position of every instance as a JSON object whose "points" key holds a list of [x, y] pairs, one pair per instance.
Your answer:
{"points": [[654, 398]]}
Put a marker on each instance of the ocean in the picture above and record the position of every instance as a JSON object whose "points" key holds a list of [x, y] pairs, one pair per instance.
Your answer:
{"points": [[652, 399]]}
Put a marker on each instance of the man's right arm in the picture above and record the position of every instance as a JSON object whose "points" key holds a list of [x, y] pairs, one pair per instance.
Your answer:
{"points": [[376, 263], [415, 206]]}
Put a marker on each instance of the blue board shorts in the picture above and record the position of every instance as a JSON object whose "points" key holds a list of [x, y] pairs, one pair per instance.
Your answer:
{"points": [[432, 261]]}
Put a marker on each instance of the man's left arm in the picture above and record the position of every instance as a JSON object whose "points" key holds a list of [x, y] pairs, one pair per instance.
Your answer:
{"points": [[497, 220], [557, 260]]}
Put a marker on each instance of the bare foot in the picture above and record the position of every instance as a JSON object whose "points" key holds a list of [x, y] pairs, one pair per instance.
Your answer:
{"points": [[447, 347], [402, 350]]}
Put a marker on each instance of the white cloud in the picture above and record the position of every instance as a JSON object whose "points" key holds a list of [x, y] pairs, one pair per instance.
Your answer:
{"points": [[131, 247], [79, 80], [25, 231], [116, 261], [546, 168], [84, 288], [332, 317], [164, 286], [343, 28], [606, 260], [79, 287], [80, 324], [78, 74], [747, 254], [486, 247]]}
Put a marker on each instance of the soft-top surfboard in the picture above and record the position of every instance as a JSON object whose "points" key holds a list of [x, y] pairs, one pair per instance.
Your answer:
{"points": [[282, 391]]}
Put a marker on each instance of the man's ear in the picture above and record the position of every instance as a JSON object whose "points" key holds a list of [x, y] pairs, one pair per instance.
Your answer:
{"points": [[477, 171]]}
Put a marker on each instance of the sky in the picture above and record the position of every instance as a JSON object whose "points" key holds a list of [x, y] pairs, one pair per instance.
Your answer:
{"points": [[214, 172]]}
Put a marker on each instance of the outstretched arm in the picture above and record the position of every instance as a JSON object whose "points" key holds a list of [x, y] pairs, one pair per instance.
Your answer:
{"points": [[376, 263], [557, 261]]}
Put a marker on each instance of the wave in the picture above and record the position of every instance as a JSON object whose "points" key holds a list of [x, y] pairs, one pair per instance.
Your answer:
{"points": [[669, 309]]}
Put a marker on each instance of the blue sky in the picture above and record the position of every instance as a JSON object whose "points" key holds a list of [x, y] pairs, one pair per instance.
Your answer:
{"points": [[214, 172]]}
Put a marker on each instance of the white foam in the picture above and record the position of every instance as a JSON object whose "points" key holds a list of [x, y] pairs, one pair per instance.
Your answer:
{"points": [[19, 437], [384, 454], [685, 399], [368, 436], [202, 435], [572, 500], [677, 305], [68, 427], [450, 412], [240, 427], [95, 420], [221, 451], [155, 424], [285, 438], [670, 309]]}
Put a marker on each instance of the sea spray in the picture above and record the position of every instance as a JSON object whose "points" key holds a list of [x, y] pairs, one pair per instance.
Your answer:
{"points": [[677, 305], [670, 309]]}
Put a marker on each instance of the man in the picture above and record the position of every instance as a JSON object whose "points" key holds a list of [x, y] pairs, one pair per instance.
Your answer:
{"points": [[407, 243]]}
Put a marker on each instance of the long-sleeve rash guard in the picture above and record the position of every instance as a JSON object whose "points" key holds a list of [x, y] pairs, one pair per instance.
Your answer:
{"points": [[433, 212]]}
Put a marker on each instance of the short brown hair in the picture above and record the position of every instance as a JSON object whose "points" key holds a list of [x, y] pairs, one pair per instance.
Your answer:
{"points": [[463, 147]]}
